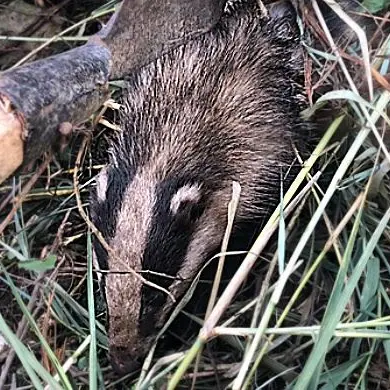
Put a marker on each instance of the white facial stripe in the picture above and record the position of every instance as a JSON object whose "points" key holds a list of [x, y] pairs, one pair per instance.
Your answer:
{"points": [[95, 264], [101, 185], [134, 219], [187, 193], [124, 290]]}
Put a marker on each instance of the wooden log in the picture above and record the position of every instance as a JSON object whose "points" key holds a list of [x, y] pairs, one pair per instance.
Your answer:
{"points": [[66, 88]]}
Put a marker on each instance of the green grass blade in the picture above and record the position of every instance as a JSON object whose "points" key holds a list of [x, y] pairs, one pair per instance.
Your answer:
{"points": [[332, 317], [332, 379], [28, 360], [93, 361], [36, 330]]}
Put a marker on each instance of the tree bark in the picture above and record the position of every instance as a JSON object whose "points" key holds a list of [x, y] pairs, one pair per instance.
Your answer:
{"points": [[40, 101], [66, 88]]}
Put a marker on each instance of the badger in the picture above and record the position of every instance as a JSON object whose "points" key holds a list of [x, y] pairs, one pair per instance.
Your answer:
{"points": [[222, 108]]}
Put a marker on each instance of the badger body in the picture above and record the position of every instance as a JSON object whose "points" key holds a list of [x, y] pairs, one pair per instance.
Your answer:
{"points": [[223, 107]]}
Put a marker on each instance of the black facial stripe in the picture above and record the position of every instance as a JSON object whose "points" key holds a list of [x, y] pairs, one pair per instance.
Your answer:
{"points": [[170, 233], [105, 213], [168, 241], [129, 152]]}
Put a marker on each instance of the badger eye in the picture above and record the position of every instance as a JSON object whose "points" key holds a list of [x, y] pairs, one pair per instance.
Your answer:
{"points": [[189, 212]]}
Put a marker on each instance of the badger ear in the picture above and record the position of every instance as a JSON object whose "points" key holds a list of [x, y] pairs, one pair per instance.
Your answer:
{"points": [[282, 10], [187, 201], [284, 18]]}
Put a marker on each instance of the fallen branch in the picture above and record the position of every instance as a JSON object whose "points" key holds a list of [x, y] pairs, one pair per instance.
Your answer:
{"points": [[39, 99]]}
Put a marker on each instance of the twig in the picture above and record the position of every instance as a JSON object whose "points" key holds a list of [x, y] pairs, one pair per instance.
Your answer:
{"points": [[232, 209], [7, 199]]}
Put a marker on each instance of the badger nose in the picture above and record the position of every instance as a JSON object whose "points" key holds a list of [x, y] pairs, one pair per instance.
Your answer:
{"points": [[122, 362]]}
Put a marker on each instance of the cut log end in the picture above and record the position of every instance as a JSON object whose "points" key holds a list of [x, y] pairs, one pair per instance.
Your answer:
{"points": [[12, 136]]}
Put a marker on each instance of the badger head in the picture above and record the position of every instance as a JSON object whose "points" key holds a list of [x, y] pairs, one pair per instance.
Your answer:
{"points": [[197, 119]]}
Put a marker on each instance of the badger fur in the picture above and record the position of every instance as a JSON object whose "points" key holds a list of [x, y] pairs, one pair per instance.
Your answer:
{"points": [[223, 107]]}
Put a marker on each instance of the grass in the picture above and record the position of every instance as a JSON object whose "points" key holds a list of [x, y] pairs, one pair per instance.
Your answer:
{"points": [[319, 318]]}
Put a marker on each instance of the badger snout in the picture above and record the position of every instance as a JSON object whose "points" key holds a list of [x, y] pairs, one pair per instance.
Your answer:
{"points": [[125, 360]]}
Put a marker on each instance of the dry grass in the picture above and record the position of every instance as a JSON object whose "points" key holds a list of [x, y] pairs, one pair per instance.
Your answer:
{"points": [[319, 314]]}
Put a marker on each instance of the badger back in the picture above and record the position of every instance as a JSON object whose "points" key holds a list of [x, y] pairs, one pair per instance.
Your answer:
{"points": [[221, 108]]}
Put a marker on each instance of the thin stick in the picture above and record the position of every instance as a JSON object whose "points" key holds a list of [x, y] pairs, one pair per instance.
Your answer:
{"points": [[232, 209]]}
